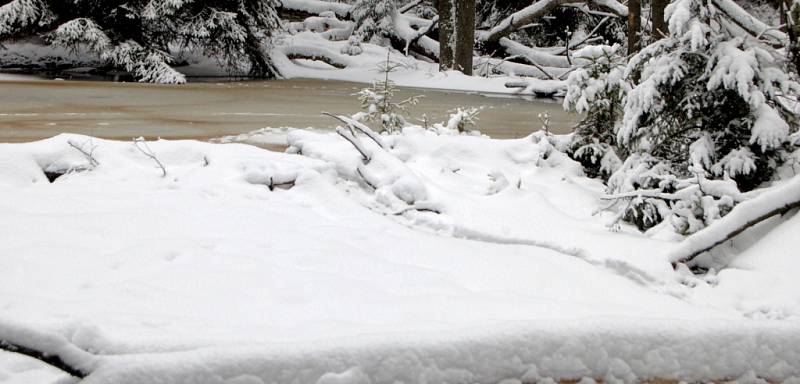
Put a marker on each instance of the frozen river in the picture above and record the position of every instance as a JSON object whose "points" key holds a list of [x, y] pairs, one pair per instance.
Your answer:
{"points": [[31, 110]]}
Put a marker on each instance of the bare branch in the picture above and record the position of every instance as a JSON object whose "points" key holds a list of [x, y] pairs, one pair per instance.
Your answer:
{"points": [[347, 135], [145, 150], [353, 124], [89, 154]]}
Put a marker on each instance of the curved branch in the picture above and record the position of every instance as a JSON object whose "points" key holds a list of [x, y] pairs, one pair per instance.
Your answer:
{"points": [[48, 358]]}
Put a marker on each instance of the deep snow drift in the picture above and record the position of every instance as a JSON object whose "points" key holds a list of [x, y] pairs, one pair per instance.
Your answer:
{"points": [[445, 258]]}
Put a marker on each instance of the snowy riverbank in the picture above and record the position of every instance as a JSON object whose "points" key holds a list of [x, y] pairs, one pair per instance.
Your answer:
{"points": [[412, 72], [444, 258]]}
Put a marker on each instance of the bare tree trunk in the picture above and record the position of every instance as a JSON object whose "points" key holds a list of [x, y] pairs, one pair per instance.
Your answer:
{"points": [[660, 28], [465, 35], [445, 9], [634, 25]]}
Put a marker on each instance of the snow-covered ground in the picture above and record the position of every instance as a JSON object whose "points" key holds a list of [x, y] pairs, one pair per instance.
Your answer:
{"points": [[445, 258]]}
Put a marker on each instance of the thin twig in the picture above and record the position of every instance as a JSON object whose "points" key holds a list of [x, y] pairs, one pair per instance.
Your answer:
{"points": [[88, 154], [149, 153]]}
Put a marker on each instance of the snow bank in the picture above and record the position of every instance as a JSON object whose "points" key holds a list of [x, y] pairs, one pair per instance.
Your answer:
{"points": [[603, 349], [468, 260]]}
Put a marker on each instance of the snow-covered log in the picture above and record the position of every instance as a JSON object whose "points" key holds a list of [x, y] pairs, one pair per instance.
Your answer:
{"points": [[312, 52], [532, 55], [535, 11], [778, 200], [49, 348], [315, 7], [520, 18], [749, 23], [613, 6]]}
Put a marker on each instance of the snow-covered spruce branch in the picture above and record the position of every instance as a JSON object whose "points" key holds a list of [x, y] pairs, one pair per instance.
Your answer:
{"points": [[777, 201], [141, 145], [89, 154], [18, 15]]}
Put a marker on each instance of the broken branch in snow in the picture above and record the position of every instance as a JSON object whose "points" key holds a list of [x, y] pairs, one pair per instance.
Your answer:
{"points": [[145, 150], [777, 201], [89, 154]]}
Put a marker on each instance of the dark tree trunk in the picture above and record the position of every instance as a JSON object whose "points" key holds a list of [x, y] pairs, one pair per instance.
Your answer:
{"points": [[446, 54], [465, 35], [790, 17], [634, 25], [660, 28]]}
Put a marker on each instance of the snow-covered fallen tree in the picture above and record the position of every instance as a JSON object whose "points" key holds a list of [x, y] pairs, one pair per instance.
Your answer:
{"points": [[775, 201]]}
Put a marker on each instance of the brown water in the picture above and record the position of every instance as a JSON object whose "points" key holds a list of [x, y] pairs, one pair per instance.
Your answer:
{"points": [[32, 110]]}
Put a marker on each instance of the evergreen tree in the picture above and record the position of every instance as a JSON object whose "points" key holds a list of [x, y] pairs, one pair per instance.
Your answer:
{"points": [[708, 117], [374, 20], [141, 35]]}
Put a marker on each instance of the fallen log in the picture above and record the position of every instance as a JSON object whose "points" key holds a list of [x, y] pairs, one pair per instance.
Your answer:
{"points": [[538, 10], [776, 201]]}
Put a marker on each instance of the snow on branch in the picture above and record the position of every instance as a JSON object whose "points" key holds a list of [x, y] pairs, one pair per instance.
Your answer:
{"points": [[141, 145], [749, 23], [87, 152], [357, 144], [322, 54], [537, 10], [354, 124], [533, 56], [51, 349], [522, 17], [775, 201], [22, 14]]}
